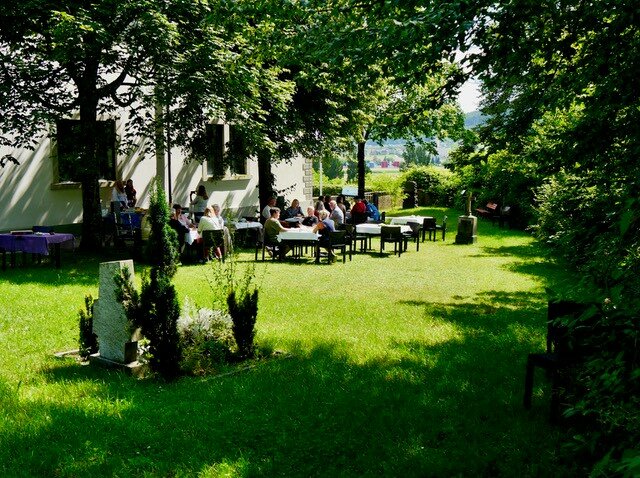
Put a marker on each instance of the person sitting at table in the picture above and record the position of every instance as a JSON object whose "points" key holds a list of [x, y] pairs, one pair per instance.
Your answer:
{"points": [[359, 212], [310, 219], [325, 227], [199, 203], [178, 224], [272, 228], [341, 204], [227, 234], [210, 222], [372, 210], [131, 192], [336, 213], [294, 210], [266, 212], [343, 200], [327, 203], [118, 196]]}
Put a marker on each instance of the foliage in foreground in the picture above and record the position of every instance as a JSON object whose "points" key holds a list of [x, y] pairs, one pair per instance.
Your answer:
{"points": [[156, 309], [87, 340]]}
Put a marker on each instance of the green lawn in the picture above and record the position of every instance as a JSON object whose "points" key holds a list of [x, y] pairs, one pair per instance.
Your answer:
{"points": [[408, 366]]}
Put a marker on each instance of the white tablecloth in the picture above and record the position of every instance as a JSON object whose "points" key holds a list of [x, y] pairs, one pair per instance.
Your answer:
{"points": [[191, 236], [374, 229], [298, 235], [396, 221], [246, 225]]}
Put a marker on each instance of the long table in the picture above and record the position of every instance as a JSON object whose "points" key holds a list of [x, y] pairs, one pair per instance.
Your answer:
{"points": [[37, 243]]}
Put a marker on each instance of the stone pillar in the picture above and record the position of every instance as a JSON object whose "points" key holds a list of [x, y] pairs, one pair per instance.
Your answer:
{"points": [[411, 195], [110, 323], [467, 230]]}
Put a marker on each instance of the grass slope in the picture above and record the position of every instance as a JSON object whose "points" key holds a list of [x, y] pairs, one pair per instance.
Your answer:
{"points": [[409, 366]]}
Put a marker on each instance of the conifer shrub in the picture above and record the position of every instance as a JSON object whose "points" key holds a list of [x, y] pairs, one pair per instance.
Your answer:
{"points": [[156, 309], [87, 341]]}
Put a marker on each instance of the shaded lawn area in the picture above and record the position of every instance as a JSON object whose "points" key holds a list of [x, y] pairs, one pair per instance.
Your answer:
{"points": [[410, 366]]}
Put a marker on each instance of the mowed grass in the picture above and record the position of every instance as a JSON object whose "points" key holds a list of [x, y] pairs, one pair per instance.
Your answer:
{"points": [[409, 366]]}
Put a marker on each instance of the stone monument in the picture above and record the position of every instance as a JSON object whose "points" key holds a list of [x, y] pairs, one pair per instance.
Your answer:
{"points": [[116, 340], [467, 226]]}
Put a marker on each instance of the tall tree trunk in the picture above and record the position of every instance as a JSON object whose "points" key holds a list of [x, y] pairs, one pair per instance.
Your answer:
{"points": [[266, 179], [361, 167], [91, 214]]}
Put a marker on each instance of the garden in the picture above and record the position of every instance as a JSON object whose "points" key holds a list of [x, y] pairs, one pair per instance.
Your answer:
{"points": [[384, 366]]}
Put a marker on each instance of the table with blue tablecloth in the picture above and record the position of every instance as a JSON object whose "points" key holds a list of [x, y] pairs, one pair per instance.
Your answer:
{"points": [[35, 243]]}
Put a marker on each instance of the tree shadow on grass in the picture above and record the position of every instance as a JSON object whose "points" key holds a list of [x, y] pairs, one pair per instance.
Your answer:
{"points": [[448, 408]]}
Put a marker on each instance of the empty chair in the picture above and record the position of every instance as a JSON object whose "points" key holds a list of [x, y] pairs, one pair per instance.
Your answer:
{"points": [[393, 235], [429, 226], [414, 235]]}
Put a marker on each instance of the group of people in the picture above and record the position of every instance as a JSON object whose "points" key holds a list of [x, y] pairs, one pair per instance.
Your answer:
{"points": [[123, 195], [327, 215], [210, 220]]}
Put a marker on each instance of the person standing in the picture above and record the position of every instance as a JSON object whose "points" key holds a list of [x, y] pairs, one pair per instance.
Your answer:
{"points": [[199, 203], [131, 192]]}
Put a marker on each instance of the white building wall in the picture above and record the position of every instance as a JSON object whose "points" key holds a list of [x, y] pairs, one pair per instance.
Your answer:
{"points": [[28, 195]]}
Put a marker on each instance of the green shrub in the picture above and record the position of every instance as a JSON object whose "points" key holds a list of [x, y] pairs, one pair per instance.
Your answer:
{"points": [[439, 184], [88, 342]]}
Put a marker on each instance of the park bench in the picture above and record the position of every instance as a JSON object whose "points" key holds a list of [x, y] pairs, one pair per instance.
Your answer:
{"points": [[489, 210]]}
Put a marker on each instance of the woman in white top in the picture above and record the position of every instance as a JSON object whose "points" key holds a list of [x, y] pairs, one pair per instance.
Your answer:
{"points": [[118, 194], [209, 221], [200, 202]]}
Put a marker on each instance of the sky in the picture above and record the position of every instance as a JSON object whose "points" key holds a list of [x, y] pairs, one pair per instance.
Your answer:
{"points": [[469, 96]]}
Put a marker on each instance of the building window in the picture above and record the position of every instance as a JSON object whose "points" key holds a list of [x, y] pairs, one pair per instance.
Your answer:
{"points": [[238, 158], [69, 163], [214, 137]]}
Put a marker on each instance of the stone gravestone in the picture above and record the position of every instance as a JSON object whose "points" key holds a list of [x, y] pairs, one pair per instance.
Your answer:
{"points": [[110, 324]]}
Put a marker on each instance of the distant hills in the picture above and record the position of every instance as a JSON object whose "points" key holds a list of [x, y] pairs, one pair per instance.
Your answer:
{"points": [[392, 149]]}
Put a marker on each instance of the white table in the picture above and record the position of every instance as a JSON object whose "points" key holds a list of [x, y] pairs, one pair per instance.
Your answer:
{"points": [[302, 235], [374, 229], [402, 220], [246, 225]]}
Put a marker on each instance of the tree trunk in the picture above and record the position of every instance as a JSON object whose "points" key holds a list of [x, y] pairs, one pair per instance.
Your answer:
{"points": [[361, 167], [91, 214], [266, 179]]}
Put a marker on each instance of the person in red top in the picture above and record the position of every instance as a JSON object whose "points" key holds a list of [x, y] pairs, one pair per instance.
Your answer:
{"points": [[359, 212], [359, 207]]}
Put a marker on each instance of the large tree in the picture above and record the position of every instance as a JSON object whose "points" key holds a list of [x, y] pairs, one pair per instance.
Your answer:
{"points": [[63, 58]]}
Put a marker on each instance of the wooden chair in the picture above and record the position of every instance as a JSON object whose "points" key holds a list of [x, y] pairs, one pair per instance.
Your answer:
{"points": [[393, 235], [212, 240], [337, 241], [442, 227], [565, 349], [263, 243], [429, 226], [415, 234]]}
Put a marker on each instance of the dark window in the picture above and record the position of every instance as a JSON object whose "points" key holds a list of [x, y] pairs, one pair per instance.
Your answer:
{"points": [[215, 156], [238, 163], [68, 144]]}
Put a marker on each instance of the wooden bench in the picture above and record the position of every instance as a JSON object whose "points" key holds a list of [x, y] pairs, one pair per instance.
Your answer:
{"points": [[490, 210]]}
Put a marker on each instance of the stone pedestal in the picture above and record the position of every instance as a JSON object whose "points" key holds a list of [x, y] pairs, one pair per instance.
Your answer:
{"points": [[467, 230], [110, 324]]}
